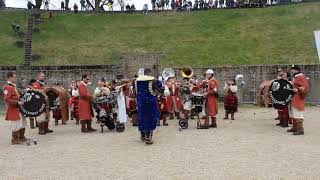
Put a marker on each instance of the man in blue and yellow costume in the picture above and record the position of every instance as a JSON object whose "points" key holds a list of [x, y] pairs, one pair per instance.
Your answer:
{"points": [[147, 88]]}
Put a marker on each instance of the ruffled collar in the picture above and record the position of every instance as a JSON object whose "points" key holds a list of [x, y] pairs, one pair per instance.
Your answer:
{"points": [[145, 78], [11, 83], [298, 74]]}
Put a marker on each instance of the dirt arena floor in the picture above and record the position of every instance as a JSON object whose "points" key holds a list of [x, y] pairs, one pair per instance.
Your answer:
{"points": [[251, 147]]}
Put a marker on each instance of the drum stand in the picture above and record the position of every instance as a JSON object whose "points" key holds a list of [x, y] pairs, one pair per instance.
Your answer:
{"points": [[183, 124], [199, 125], [108, 121]]}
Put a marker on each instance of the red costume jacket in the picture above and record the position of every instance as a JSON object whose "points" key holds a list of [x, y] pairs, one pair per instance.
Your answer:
{"points": [[173, 98], [11, 98], [84, 107], [300, 82], [211, 99]]}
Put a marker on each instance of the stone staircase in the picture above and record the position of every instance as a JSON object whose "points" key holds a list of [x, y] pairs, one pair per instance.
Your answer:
{"points": [[28, 43]]}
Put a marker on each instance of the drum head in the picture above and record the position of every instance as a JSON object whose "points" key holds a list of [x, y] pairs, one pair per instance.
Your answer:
{"points": [[280, 92], [120, 127], [34, 104], [183, 124]]}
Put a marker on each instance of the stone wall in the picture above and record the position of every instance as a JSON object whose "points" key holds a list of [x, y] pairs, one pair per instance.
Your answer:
{"points": [[62, 74], [253, 76]]}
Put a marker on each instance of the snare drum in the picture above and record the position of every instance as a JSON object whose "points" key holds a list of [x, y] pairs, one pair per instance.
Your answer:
{"points": [[197, 99]]}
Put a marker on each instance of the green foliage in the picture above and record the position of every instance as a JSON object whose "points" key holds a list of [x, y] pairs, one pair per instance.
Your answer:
{"points": [[276, 35]]}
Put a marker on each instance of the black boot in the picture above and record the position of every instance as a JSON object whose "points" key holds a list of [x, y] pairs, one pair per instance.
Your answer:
{"points": [[171, 116], [178, 115], [149, 138], [41, 128], [15, 138], [226, 116], [285, 122], [46, 127], [32, 123], [280, 122], [294, 126], [22, 138], [213, 122], [300, 129], [165, 122], [83, 126], [143, 136], [89, 126]]}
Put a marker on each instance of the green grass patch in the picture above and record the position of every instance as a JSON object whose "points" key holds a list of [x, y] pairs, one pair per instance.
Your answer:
{"points": [[276, 35]]}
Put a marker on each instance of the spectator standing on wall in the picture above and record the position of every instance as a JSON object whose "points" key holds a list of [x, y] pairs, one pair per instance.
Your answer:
{"points": [[145, 9], [110, 5], [210, 3], [201, 4], [162, 4], [29, 5], [128, 8], [216, 3], [121, 5], [166, 2], [157, 4], [83, 5], [46, 5], [133, 8], [173, 4], [221, 3], [2, 4], [75, 8], [196, 4], [153, 3], [62, 5]]}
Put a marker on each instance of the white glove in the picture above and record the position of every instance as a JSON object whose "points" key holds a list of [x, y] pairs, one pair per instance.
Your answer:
{"points": [[166, 91], [20, 103]]}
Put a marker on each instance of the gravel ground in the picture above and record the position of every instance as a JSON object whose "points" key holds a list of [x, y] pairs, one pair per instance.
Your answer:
{"points": [[251, 147]]}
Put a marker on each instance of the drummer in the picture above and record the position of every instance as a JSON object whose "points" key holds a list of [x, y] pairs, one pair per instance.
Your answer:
{"points": [[11, 99], [186, 90], [43, 119], [283, 112], [195, 88], [101, 91], [32, 119]]}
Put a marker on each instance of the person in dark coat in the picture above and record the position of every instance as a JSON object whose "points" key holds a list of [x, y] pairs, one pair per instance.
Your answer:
{"points": [[147, 88]]}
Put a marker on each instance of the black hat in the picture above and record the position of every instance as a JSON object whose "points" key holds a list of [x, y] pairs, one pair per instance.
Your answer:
{"points": [[295, 67], [119, 76]]}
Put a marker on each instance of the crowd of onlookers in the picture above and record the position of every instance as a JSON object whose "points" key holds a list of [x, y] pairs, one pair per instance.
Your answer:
{"points": [[2, 4], [158, 5], [105, 5]]}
